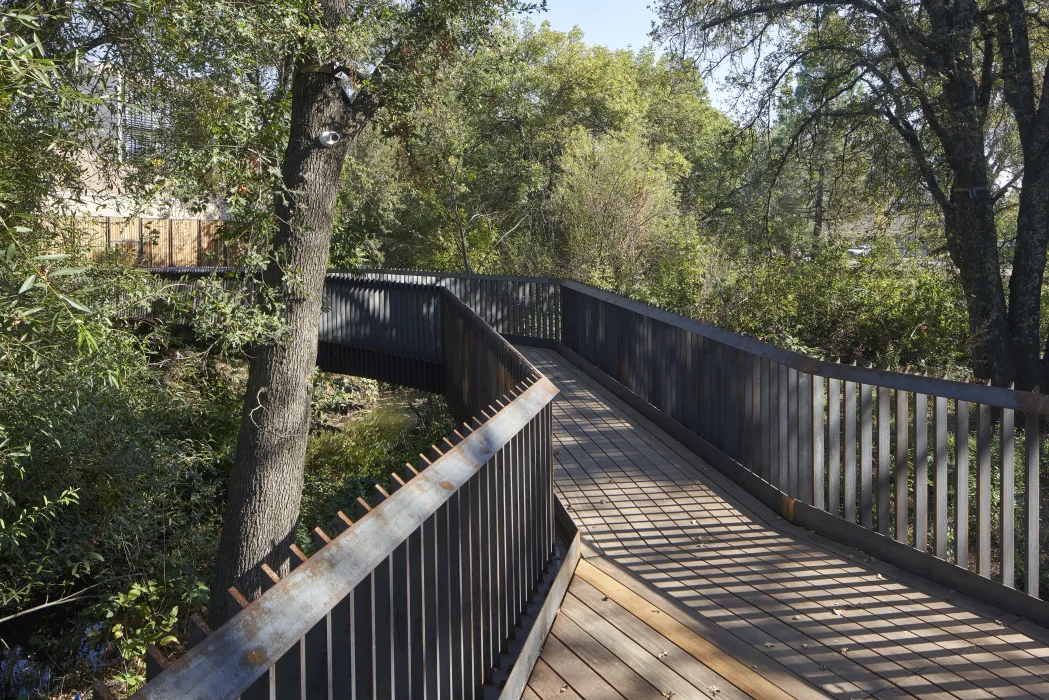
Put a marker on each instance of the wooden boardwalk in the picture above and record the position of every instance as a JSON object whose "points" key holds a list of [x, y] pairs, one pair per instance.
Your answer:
{"points": [[692, 589]]}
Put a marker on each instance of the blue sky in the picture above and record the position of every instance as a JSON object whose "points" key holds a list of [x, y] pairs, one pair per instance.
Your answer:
{"points": [[612, 23]]}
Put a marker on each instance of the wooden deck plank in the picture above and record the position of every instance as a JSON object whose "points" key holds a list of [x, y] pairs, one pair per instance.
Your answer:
{"points": [[545, 683], [663, 650], [656, 509], [623, 677], [646, 663], [765, 665], [739, 673], [576, 673], [854, 676]]}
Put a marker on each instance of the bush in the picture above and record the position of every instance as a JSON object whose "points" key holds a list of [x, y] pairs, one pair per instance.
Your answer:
{"points": [[346, 458], [116, 439], [883, 309]]}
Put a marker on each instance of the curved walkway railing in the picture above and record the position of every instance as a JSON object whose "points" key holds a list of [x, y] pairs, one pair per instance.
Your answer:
{"points": [[935, 476], [425, 593]]}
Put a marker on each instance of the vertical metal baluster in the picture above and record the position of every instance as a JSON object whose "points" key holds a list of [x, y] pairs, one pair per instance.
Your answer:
{"points": [[900, 470], [399, 601], [747, 427], [806, 438], [489, 570], [983, 490], [431, 628], [921, 472], [784, 441], [834, 447], [792, 434], [766, 422], [773, 427], [850, 452], [362, 638], [940, 477], [1007, 522], [1032, 533], [884, 507], [866, 461], [706, 425], [443, 601], [416, 593], [961, 484], [382, 622], [503, 519], [819, 485], [457, 529]]}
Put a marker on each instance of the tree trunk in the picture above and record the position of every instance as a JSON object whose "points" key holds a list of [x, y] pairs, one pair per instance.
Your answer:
{"points": [[1025, 283], [973, 245], [266, 483]]}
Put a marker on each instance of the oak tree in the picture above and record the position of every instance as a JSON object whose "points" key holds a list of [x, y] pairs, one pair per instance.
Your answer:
{"points": [[954, 79]]}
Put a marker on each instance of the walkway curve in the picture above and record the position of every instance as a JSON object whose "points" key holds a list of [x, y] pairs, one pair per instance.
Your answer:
{"points": [[825, 619]]}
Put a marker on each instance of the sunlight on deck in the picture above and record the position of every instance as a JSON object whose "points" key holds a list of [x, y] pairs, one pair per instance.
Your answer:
{"points": [[812, 617]]}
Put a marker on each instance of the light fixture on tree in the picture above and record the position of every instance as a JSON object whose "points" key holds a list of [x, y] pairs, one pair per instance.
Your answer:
{"points": [[328, 139]]}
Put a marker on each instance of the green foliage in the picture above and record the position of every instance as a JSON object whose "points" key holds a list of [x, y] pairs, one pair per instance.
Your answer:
{"points": [[616, 202], [883, 308], [478, 175], [347, 457], [115, 438], [144, 616]]}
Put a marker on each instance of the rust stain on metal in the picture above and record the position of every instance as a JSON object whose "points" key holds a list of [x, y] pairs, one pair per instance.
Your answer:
{"points": [[447, 485], [256, 656], [788, 508]]}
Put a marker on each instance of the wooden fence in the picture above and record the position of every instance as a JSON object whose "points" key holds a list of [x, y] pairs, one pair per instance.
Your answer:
{"points": [[155, 242]]}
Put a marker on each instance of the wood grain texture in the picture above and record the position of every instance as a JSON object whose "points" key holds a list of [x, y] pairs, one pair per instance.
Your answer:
{"points": [[818, 615]]}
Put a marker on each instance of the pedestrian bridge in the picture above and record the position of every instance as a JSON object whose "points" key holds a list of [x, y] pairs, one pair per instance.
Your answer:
{"points": [[637, 505]]}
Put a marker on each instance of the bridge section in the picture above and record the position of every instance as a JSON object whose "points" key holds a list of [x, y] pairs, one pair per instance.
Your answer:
{"points": [[752, 522], [680, 555]]}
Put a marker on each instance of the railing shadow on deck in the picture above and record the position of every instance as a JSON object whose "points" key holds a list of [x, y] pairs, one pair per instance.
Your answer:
{"points": [[851, 453]]}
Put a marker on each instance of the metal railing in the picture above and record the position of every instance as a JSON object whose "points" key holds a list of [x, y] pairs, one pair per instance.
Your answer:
{"points": [[950, 470], [935, 476], [424, 593], [881, 452], [516, 307]]}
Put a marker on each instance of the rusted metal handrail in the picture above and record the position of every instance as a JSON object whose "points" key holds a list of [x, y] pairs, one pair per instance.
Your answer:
{"points": [[424, 593], [242, 650]]}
